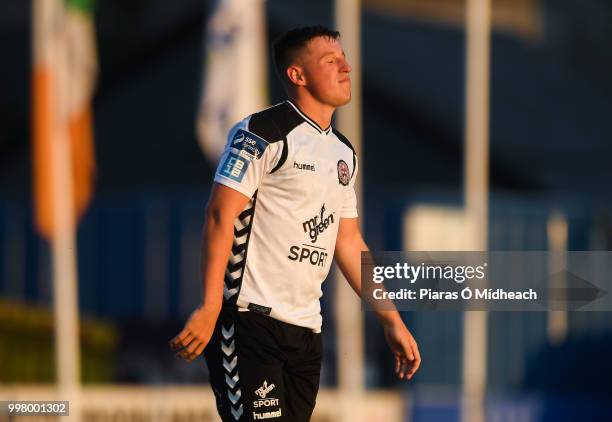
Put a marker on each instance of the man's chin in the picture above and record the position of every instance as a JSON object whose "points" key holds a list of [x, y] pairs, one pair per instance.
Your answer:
{"points": [[337, 101], [344, 101]]}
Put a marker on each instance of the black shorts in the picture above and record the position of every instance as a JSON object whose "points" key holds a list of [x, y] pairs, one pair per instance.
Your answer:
{"points": [[263, 369]]}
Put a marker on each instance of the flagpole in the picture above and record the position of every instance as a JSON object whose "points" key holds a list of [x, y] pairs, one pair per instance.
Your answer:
{"points": [[349, 318], [478, 29], [49, 16], [557, 231]]}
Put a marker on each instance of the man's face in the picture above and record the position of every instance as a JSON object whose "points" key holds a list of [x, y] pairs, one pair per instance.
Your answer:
{"points": [[326, 71]]}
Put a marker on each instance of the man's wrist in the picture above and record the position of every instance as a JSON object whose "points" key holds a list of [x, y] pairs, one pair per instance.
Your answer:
{"points": [[389, 318], [212, 297], [212, 307]]}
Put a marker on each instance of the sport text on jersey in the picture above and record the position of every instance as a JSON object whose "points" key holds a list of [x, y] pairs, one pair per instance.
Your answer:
{"points": [[317, 224], [314, 255], [314, 226]]}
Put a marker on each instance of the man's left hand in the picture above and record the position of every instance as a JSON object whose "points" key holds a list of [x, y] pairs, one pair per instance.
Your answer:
{"points": [[404, 348]]}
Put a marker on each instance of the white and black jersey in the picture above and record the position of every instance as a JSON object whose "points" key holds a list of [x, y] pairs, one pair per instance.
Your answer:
{"points": [[300, 179]]}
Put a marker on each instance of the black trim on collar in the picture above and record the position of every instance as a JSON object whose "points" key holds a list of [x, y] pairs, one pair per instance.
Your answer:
{"points": [[309, 120]]}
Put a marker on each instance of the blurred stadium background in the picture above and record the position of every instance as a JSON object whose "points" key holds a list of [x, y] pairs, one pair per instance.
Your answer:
{"points": [[143, 185]]}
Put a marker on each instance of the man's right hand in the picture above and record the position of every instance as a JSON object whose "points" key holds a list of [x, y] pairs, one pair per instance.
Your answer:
{"points": [[190, 343], [224, 205]]}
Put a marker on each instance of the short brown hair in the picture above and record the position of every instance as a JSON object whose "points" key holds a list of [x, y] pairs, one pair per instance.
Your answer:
{"points": [[285, 46]]}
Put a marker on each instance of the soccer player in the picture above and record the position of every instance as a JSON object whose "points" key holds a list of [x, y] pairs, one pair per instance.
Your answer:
{"points": [[282, 206]]}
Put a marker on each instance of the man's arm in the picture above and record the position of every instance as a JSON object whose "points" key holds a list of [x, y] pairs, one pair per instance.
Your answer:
{"points": [[349, 246], [224, 205]]}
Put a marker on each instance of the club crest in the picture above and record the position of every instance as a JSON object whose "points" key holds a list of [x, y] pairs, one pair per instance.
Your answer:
{"points": [[344, 175]]}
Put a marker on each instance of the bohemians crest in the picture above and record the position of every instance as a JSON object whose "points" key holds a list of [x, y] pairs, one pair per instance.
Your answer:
{"points": [[344, 176]]}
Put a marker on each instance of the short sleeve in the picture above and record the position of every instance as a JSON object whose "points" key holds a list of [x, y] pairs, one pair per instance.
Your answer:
{"points": [[246, 159], [349, 203]]}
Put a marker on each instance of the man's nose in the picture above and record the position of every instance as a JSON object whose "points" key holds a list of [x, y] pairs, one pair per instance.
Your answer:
{"points": [[346, 67]]}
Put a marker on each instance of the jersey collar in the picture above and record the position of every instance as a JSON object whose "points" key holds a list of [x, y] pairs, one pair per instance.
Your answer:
{"points": [[309, 120]]}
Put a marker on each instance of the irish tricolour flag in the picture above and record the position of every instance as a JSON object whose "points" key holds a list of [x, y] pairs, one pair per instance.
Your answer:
{"points": [[64, 74]]}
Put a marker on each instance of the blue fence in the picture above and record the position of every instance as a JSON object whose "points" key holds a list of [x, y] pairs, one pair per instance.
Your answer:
{"points": [[139, 259]]}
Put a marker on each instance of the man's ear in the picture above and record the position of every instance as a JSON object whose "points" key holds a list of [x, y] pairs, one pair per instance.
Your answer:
{"points": [[295, 74]]}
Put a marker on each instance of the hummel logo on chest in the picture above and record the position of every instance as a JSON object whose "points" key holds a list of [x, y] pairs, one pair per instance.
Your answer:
{"points": [[302, 166]]}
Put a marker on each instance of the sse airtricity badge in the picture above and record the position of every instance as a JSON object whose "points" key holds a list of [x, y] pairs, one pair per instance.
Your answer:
{"points": [[249, 145], [344, 175]]}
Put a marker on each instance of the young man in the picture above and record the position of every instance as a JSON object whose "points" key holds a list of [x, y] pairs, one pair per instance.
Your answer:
{"points": [[283, 204]]}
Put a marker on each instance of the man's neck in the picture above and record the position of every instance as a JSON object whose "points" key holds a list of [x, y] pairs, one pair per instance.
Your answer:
{"points": [[320, 113]]}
